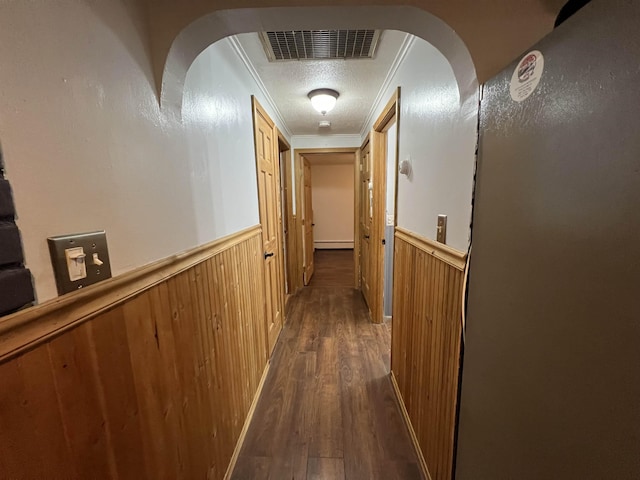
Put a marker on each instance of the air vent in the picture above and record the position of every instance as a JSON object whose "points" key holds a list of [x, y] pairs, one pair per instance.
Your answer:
{"points": [[319, 44]]}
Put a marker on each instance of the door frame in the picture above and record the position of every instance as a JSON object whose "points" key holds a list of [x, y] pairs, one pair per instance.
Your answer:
{"points": [[290, 258], [378, 139], [299, 154]]}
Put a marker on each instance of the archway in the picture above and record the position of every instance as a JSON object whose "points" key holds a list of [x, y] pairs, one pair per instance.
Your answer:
{"points": [[217, 25]]}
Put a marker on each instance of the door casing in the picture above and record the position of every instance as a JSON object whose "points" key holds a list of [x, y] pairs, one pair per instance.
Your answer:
{"points": [[389, 115]]}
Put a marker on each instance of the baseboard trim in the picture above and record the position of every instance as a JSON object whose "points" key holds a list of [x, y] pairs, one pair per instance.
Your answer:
{"points": [[412, 433], [247, 422]]}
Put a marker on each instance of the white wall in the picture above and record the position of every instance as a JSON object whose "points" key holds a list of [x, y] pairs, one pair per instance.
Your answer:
{"points": [[325, 141], [332, 192], [389, 230], [438, 134], [218, 122], [87, 147]]}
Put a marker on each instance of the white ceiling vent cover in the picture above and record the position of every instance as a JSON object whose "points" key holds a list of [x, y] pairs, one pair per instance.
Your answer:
{"points": [[319, 44]]}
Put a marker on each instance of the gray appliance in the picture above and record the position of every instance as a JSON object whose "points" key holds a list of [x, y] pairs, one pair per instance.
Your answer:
{"points": [[551, 377]]}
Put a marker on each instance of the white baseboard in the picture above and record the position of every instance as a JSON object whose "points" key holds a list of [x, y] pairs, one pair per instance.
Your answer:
{"points": [[332, 244]]}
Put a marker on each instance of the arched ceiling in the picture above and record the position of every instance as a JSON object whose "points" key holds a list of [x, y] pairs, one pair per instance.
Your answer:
{"points": [[494, 32]]}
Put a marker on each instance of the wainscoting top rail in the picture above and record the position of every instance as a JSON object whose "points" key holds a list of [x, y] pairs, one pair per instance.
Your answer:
{"points": [[28, 328], [450, 255]]}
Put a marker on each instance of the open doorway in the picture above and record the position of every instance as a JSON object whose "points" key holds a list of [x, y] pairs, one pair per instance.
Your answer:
{"points": [[377, 213], [289, 241], [327, 194]]}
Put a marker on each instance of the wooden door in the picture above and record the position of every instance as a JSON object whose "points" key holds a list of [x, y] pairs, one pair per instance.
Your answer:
{"points": [[366, 214], [308, 224], [268, 171]]}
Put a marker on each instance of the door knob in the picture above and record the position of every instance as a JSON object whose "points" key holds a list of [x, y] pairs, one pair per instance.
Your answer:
{"points": [[366, 236], [267, 255]]}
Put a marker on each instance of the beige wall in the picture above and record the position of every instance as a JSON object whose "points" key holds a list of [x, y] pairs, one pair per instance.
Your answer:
{"points": [[438, 136], [332, 197]]}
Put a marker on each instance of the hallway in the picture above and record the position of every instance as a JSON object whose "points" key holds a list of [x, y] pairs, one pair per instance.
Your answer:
{"points": [[327, 410]]}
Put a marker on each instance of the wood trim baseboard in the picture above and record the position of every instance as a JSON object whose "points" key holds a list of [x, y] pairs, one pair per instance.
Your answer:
{"points": [[453, 257], [247, 422], [31, 327], [412, 433]]}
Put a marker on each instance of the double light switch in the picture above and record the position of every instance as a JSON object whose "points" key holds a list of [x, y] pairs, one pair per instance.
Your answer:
{"points": [[79, 260]]}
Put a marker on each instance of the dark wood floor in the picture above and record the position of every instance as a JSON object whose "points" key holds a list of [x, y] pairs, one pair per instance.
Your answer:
{"points": [[333, 268], [327, 410]]}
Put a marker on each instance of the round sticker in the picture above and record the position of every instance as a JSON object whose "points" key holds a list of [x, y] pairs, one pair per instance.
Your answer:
{"points": [[526, 76]]}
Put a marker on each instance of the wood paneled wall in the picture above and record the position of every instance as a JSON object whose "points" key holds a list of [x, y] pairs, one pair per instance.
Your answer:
{"points": [[426, 339], [157, 386]]}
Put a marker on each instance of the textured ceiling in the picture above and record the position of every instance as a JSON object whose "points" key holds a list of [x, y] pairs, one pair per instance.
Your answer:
{"points": [[357, 81]]}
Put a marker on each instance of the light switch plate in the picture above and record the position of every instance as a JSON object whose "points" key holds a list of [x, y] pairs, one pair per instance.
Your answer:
{"points": [[441, 229], [97, 268]]}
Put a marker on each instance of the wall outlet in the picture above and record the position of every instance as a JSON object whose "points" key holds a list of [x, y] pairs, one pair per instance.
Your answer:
{"points": [[79, 260]]}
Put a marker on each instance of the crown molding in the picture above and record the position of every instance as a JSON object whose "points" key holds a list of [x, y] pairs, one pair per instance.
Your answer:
{"points": [[402, 53], [242, 55]]}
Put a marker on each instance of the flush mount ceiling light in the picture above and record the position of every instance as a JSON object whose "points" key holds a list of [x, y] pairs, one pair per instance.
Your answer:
{"points": [[323, 99]]}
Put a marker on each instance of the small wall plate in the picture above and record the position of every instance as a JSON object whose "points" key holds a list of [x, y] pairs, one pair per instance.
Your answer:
{"points": [[441, 229], [92, 243]]}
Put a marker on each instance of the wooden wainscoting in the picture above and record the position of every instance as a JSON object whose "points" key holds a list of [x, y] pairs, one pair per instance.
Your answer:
{"points": [[425, 345], [156, 385]]}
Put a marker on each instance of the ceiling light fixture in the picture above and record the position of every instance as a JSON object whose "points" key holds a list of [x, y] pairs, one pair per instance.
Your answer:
{"points": [[323, 99]]}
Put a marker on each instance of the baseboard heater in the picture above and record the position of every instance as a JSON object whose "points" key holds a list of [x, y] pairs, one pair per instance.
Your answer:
{"points": [[333, 244]]}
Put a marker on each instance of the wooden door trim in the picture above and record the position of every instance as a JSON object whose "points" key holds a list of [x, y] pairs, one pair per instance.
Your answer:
{"points": [[285, 145], [356, 220], [390, 110], [389, 115], [290, 262], [309, 261]]}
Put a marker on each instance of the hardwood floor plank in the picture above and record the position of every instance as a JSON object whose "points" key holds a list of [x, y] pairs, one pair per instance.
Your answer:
{"points": [[325, 468], [326, 431], [253, 468], [333, 268], [328, 409]]}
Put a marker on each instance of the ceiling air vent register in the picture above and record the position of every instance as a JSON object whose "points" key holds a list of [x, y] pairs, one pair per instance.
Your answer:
{"points": [[319, 44]]}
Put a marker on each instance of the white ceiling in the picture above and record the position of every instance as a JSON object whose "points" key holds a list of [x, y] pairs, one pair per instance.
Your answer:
{"points": [[357, 81]]}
